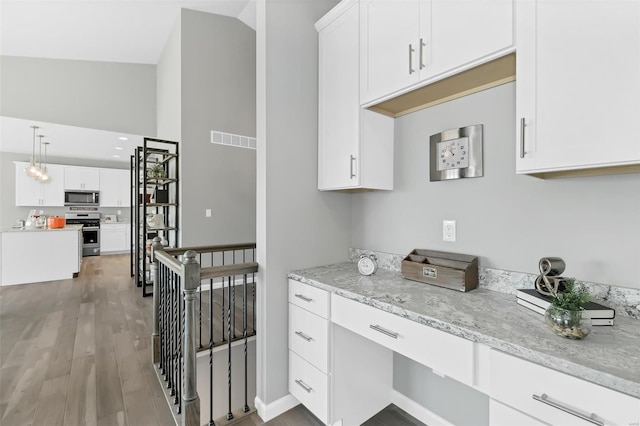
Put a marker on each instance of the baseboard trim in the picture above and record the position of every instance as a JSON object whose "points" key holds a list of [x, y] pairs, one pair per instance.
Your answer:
{"points": [[416, 410], [271, 411]]}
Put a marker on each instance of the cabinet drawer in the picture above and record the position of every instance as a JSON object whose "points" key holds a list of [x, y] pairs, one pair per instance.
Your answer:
{"points": [[502, 415], [515, 381], [308, 336], [443, 352], [310, 298], [309, 385]]}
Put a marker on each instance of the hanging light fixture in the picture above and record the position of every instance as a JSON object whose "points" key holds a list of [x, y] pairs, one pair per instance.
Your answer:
{"points": [[32, 168], [44, 177], [38, 171]]}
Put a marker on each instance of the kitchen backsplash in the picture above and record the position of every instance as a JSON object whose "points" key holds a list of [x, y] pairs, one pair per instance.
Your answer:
{"points": [[625, 301]]}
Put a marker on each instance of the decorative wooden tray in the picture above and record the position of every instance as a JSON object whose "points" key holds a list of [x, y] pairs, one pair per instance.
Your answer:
{"points": [[449, 270]]}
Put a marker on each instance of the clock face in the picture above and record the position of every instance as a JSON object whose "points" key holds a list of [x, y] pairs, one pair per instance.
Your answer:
{"points": [[453, 154], [367, 266]]}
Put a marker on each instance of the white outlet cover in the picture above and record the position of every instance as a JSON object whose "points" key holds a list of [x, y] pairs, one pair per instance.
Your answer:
{"points": [[449, 230], [207, 212]]}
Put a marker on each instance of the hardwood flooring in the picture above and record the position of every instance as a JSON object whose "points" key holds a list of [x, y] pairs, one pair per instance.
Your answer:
{"points": [[77, 352]]}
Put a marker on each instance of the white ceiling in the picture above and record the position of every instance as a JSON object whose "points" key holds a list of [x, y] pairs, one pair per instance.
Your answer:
{"points": [[131, 31]]}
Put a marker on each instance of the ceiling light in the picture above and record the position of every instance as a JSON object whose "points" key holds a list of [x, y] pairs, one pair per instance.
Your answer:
{"points": [[44, 176], [123, 138], [119, 148], [116, 156], [32, 168]]}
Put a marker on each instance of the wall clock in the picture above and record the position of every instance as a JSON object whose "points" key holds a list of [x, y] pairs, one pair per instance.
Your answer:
{"points": [[456, 154]]}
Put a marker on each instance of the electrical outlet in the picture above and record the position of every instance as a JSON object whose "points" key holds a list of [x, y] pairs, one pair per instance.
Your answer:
{"points": [[207, 212], [449, 230], [119, 211]]}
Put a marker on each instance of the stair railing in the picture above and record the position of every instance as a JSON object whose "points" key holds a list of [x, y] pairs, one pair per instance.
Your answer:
{"points": [[179, 286]]}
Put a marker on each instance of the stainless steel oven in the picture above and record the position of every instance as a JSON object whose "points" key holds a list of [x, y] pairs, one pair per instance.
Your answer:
{"points": [[90, 230]]}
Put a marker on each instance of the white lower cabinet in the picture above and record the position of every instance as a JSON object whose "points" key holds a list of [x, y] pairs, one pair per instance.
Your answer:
{"points": [[551, 397], [114, 238], [503, 415], [309, 385]]}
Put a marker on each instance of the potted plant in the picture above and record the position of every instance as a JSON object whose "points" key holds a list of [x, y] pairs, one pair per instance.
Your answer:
{"points": [[156, 171], [564, 315]]}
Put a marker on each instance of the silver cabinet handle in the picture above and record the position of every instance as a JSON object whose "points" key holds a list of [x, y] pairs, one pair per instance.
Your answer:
{"points": [[522, 125], [352, 174], [304, 386], [411, 50], [306, 299], [422, 45], [544, 398], [304, 336], [383, 331]]}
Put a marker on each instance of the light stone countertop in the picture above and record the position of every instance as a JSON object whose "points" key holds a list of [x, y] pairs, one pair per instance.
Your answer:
{"points": [[66, 228], [609, 356]]}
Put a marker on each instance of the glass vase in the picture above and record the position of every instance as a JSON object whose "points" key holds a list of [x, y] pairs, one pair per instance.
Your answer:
{"points": [[566, 323]]}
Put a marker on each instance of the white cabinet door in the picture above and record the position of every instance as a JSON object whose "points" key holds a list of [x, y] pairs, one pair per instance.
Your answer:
{"points": [[114, 188], [390, 34], [82, 178], [464, 31], [578, 64], [355, 146], [32, 193], [503, 415], [113, 238]]}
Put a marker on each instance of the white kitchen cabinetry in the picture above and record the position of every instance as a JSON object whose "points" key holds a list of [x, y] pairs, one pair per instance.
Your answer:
{"points": [[577, 105], [520, 384], [115, 188], [114, 237], [32, 193], [355, 146], [409, 43], [82, 178]]}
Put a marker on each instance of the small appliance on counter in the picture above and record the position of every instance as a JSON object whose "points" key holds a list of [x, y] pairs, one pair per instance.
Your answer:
{"points": [[55, 222], [35, 220]]}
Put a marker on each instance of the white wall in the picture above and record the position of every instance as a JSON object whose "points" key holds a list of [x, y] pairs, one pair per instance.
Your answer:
{"points": [[169, 87], [509, 221], [98, 95], [298, 226]]}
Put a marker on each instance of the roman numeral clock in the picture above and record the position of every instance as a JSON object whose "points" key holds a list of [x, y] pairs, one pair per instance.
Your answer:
{"points": [[456, 153]]}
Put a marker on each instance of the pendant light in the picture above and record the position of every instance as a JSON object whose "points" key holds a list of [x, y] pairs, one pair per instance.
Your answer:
{"points": [[32, 168], [44, 177], [38, 171]]}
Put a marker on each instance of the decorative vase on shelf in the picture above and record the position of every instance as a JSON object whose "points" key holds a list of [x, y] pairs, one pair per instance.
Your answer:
{"points": [[566, 323]]}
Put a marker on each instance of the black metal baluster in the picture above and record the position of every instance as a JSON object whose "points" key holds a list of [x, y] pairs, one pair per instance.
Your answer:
{"points": [[244, 334], [180, 363], [229, 414], [223, 310], [211, 422], [200, 309], [160, 319], [171, 332]]}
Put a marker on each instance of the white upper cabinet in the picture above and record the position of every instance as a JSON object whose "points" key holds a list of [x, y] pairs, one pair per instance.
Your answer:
{"points": [[31, 193], [578, 85], [115, 188], [82, 178], [355, 146], [407, 44]]}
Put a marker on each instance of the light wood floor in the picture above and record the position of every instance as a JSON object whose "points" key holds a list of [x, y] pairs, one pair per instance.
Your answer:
{"points": [[77, 352]]}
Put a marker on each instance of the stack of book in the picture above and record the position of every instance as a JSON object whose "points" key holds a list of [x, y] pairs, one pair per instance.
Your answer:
{"points": [[597, 313]]}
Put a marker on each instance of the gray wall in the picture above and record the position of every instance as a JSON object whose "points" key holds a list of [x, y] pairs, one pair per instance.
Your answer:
{"points": [[509, 221], [9, 212], [100, 95], [169, 87], [218, 93], [298, 226]]}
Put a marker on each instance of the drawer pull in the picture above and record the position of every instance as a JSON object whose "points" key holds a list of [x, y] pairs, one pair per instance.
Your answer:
{"points": [[544, 398], [304, 336], [383, 331], [306, 299], [304, 386]]}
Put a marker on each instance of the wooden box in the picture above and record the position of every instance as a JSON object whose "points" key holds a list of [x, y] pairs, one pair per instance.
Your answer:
{"points": [[450, 270]]}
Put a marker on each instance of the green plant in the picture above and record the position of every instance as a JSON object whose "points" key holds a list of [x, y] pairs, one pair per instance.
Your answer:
{"points": [[156, 171], [572, 297]]}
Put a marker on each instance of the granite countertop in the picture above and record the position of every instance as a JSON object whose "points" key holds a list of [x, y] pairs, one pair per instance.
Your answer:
{"points": [[66, 228], [609, 356]]}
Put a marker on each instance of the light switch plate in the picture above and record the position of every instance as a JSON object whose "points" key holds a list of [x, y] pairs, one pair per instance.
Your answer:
{"points": [[207, 212]]}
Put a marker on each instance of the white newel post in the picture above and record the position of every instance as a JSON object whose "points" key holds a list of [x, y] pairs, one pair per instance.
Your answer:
{"points": [[190, 398]]}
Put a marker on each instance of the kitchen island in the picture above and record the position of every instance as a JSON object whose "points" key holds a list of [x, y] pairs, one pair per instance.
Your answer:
{"points": [[29, 255]]}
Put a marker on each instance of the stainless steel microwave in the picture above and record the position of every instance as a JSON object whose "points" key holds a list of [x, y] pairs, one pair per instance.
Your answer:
{"points": [[81, 198]]}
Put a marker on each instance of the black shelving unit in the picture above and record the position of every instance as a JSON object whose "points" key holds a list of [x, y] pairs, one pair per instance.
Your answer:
{"points": [[153, 196]]}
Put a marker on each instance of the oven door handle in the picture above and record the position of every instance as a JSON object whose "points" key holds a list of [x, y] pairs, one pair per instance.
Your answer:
{"points": [[90, 228]]}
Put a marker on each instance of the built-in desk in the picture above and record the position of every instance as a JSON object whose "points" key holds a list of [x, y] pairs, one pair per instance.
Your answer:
{"points": [[482, 339]]}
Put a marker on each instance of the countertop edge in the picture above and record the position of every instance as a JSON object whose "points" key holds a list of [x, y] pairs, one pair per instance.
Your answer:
{"points": [[607, 380]]}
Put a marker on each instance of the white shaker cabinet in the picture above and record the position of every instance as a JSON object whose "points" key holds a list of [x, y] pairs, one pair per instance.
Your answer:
{"points": [[578, 85], [355, 146], [82, 178], [115, 188], [32, 193], [407, 44], [114, 237]]}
